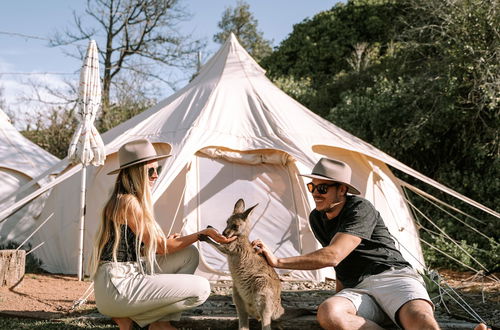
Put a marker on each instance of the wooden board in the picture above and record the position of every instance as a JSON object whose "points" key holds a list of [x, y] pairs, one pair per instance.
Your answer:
{"points": [[12, 266]]}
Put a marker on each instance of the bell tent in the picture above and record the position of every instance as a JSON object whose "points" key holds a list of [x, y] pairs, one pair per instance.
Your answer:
{"points": [[232, 134], [21, 161]]}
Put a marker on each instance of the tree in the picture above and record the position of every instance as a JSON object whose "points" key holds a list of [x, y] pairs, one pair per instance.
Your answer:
{"points": [[140, 36], [325, 48], [240, 21], [433, 105], [52, 131], [419, 79]]}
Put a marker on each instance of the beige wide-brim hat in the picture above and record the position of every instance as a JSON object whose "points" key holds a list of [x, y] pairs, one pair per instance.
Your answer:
{"points": [[136, 152], [333, 170]]}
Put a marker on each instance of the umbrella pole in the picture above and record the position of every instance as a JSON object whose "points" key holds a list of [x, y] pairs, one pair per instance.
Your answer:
{"points": [[82, 222]]}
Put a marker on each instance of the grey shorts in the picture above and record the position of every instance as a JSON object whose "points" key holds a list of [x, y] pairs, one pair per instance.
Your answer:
{"points": [[379, 297]]}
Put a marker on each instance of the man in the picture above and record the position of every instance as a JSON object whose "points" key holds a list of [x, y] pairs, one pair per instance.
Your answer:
{"points": [[374, 283]]}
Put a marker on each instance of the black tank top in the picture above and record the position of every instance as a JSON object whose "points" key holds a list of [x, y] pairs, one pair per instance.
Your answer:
{"points": [[126, 247]]}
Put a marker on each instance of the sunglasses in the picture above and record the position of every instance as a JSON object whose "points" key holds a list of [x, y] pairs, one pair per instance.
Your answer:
{"points": [[322, 188], [152, 171]]}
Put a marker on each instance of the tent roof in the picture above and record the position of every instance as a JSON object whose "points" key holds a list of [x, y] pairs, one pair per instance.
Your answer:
{"points": [[20, 154], [231, 103]]}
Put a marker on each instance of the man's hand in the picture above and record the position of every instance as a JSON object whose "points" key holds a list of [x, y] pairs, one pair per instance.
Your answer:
{"points": [[262, 249], [214, 234]]}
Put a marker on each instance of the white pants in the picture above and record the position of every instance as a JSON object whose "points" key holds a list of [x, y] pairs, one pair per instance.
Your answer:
{"points": [[122, 291]]}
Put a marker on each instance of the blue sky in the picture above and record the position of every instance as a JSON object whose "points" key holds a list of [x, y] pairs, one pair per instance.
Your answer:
{"points": [[42, 18]]}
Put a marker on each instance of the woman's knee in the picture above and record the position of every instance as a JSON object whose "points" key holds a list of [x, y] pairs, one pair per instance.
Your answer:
{"points": [[200, 289], [193, 257], [184, 261], [193, 251]]}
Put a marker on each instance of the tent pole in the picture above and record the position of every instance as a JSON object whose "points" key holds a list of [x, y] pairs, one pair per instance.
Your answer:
{"points": [[82, 222]]}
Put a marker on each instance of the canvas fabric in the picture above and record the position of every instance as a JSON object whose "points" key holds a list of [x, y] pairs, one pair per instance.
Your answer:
{"points": [[24, 167]]}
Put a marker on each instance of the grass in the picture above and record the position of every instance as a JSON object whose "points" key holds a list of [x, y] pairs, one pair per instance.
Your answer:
{"points": [[18, 323], [15, 323]]}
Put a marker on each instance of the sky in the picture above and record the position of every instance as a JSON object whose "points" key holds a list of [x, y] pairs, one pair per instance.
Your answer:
{"points": [[24, 58]]}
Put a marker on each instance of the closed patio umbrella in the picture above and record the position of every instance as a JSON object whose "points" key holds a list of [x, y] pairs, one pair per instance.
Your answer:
{"points": [[86, 145]]}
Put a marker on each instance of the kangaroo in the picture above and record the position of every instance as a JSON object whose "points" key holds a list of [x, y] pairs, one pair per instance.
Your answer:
{"points": [[256, 285]]}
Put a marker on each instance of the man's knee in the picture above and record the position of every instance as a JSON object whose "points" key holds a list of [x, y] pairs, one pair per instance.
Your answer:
{"points": [[332, 312], [417, 314]]}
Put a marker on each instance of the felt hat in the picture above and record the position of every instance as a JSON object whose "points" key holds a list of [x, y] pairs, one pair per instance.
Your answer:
{"points": [[136, 152], [333, 170]]}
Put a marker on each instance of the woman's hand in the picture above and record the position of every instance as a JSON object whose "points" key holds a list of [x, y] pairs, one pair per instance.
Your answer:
{"points": [[262, 248], [214, 234], [174, 236]]}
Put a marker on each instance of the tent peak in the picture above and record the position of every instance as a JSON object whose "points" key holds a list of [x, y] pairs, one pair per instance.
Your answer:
{"points": [[232, 60]]}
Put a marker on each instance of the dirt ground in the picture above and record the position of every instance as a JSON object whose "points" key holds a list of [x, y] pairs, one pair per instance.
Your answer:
{"points": [[49, 296], [481, 293], [43, 296]]}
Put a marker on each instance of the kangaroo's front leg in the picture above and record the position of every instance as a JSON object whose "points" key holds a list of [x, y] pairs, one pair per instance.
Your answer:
{"points": [[221, 247]]}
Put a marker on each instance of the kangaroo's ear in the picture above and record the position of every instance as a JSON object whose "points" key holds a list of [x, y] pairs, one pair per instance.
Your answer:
{"points": [[247, 212], [239, 207]]}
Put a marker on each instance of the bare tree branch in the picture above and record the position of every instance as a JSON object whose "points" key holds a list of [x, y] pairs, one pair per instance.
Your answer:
{"points": [[134, 29]]}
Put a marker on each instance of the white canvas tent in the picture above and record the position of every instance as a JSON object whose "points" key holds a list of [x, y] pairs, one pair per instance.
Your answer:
{"points": [[21, 161], [233, 134]]}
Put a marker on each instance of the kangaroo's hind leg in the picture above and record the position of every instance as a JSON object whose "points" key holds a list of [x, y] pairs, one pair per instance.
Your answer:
{"points": [[243, 322], [266, 312]]}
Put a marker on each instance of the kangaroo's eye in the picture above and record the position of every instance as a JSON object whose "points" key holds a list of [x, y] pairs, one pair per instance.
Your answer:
{"points": [[234, 227]]}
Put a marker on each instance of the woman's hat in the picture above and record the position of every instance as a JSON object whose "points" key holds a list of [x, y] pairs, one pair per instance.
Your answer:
{"points": [[136, 152], [333, 170]]}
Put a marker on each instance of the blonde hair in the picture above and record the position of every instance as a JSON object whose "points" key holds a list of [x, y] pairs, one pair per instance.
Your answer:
{"points": [[131, 196]]}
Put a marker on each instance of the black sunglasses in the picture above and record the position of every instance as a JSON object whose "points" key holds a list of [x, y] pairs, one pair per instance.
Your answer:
{"points": [[152, 170], [322, 187]]}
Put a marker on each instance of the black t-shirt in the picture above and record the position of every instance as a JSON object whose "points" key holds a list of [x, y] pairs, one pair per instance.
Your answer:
{"points": [[377, 251]]}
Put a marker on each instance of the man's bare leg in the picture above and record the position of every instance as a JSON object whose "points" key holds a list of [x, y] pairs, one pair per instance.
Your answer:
{"points": [[340, 313], [417, 314]]}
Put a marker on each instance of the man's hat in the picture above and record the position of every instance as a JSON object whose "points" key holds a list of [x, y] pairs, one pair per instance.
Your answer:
{"points": [[333, 170], [136, 152]]}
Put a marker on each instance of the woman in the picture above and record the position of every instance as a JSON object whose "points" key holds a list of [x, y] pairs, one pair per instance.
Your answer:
{"points": [[139, 274]]}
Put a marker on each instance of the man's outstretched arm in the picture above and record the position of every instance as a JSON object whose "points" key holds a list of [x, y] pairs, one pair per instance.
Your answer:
{"points": [[330, 256]]}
